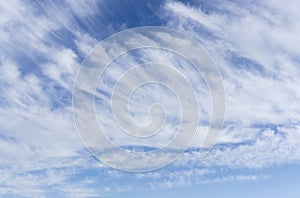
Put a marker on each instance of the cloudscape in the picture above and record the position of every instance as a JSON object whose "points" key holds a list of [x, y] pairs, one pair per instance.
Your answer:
{"points": [[219, 115]]}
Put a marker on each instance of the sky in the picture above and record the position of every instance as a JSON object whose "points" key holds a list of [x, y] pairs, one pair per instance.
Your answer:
{"points": [[254, 45]]}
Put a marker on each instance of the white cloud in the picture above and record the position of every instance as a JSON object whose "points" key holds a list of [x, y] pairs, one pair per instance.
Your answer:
{"points": [[40, 147], [255, 48]]}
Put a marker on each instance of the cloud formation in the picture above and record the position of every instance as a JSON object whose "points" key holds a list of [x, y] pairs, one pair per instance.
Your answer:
{"points": [[254, 44]]}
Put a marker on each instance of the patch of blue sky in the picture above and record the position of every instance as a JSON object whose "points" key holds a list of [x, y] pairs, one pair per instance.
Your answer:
{"points": [[243, 63], [59, 96], [272, 187]]}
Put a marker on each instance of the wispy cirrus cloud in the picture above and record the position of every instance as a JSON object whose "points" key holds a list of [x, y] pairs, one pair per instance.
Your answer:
{"points": [[254, 46]]}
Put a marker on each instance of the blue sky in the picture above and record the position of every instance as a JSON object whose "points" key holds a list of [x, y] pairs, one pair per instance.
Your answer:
{"points": [[255, 45], [282, 184]]}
